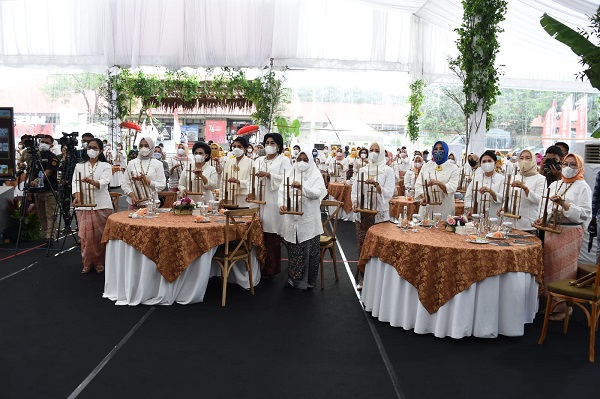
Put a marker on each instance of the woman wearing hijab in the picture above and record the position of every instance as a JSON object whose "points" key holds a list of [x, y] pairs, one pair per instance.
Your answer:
{"points": [[202, 169], [177, 164], [144, 169], [442, 176], [574, 199], [302, 232], [270, 170], [238, 170], [338, 168], [531, 186], [120, 161], [95, 171], [489, 186], [381, 177], [412, 175]]}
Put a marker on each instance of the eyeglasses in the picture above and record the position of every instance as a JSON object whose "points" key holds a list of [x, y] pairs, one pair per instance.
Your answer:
{"points": [[570, 165]]}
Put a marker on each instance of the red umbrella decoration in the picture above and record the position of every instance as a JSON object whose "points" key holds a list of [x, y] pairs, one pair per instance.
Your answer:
{"points": [[247, 130], [131, 125]]}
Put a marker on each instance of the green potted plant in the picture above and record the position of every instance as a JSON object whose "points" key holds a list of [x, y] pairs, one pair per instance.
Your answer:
{"points": [[31, 227]]}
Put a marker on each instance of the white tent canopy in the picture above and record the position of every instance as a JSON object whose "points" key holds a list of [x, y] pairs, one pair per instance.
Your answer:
{"points": [[414, 36], [348, 130]]}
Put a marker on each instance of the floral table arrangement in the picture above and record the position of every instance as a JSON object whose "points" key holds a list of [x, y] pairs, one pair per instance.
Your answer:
{"points": [[183, 206], [453, 221]]}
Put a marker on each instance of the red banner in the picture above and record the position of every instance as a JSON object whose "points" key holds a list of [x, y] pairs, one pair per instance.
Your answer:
{"points": [[549, 129], [564, 124], [216, 130], [581, 127]]}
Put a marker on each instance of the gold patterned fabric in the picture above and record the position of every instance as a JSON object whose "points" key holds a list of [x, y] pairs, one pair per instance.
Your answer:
{"points": [[397, 204], [440, 264], [341, 192], [174, 241]]}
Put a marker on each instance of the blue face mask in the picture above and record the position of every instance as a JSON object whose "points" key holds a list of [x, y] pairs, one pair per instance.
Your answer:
{"points": [[158, 155], [438, 156]]}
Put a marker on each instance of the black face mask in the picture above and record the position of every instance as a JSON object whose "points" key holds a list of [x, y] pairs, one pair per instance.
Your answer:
{"points": [[472, 162]]}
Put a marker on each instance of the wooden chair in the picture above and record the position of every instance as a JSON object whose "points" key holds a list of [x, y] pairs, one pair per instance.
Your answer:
{"points": [[328, 240], [167, 198], [242, 248], [114, 198], [581, 292]]}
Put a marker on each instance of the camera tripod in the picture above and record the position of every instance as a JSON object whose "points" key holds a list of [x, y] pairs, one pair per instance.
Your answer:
{"points": [[28, 191]]}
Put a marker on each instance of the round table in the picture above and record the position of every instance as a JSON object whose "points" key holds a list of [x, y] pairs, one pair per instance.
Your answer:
{"points": [[434, 281], [168, 258], [397, 204], [341, 192]]}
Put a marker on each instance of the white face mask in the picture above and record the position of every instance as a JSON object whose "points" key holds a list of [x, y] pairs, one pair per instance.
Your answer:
{"points": [[180, 151], [270, 149], [145, 151], [84, 145], [452, 161], [418, 164], [296, 153], [92, 153], [157, 156], [302, 166], [487, 167], [199, 158], [237, 152], [325, 152], [249, 150], [363, 155], [403, 155], [513, 158], [373, 157], [569, 172], [286, 152], [44, 147]]}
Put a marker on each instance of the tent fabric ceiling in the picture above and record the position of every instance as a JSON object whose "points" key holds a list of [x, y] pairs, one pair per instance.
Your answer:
{"points": [[413, 36]]}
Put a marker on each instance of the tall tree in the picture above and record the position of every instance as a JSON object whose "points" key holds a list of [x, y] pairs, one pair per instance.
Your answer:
{"points": [[62, 87]]}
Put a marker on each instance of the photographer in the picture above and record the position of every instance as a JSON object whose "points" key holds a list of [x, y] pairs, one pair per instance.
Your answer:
{"points": [[550, 166], [43, 181], [82, 153]]}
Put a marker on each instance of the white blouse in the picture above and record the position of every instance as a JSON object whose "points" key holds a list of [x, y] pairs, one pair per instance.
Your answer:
{"points": [[154, 171], [243, 174], [496, 183], [211, 175], [447, 175], [530, 204], [578, 195], [174, 177], [387, 182], [102, 172], [271, 220]]}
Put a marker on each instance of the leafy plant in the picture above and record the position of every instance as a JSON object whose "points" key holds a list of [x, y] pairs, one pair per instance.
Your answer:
{"points": [[286, 130], [31, 227], [580, 44], [477, 46], [416, 101]]}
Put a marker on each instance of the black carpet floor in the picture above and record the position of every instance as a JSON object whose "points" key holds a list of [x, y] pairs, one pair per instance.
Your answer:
{"points": [[57, 333]]}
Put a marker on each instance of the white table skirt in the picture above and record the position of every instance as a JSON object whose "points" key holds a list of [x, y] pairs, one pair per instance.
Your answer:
{"points": [[132, 279], [497, 305], [348, 217]]}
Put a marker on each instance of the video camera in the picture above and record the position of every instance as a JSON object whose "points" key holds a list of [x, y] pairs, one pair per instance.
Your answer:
{"points": [[551, 162], [31, 143], [69, 140]]}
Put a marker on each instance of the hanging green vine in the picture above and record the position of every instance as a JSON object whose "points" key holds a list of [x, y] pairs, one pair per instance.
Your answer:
{"points": [[416, 101], [477, 46], [138, 91]]}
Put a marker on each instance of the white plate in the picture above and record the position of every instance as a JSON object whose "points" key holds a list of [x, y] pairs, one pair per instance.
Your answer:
{"points": [[478, 242], [163, 210]]}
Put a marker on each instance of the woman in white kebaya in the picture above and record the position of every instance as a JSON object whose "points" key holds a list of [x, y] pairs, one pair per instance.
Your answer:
{"points": [[237, 170], [490, 188], [204, 177], [302, 232]]}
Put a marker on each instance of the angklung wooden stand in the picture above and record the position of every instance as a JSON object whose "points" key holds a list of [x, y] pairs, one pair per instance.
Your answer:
{"points": [[292, 197], [463, 182], [512, 202], [546, 224], [86, 193], [257, 195], [432, 195], [194, 184], [140, 189], [231, 189], [368, 198]]}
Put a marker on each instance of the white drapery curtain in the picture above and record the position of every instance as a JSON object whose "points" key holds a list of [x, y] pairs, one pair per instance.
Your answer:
{"points": [[414, 36]]}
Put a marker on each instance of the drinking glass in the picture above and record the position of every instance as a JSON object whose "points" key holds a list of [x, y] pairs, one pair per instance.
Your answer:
{"points": [[203, 209], [506, 227], [416, 219], [437, 218], [150, 209]]}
